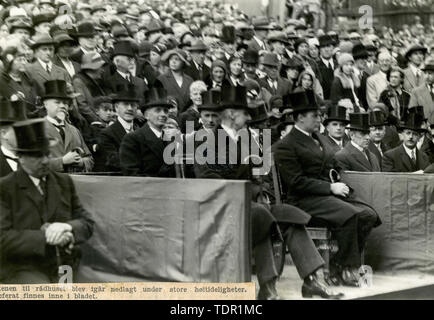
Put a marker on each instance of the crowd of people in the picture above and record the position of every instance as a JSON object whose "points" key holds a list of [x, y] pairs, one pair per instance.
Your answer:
{"points": [[104, 87]]}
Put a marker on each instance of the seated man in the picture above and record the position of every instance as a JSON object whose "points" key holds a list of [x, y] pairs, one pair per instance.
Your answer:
{"points": [[223, 163], [41, 218], [355, 156], [305, 165], [406, 157], [71, 153], [141, 151], [335, 124], [377, 127]]}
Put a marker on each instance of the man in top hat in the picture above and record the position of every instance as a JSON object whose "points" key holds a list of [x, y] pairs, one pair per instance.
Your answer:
{"points": [[406, 157], [123, 58], [86, 37], [377, 127], [10, 112], [234, 116], [414, 77], [43, 69], [41, 218], [261, 26], [64, 46], [71, 153], [126, 102], [335, 125], [326, 64], [309, 173], [197, 70], [141, 151], [273, 82], [423, 95], [250, 63], [425, 144], [355, 156], [88, 84]]}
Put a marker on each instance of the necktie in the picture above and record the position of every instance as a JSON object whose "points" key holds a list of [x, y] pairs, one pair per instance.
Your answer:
{"points": [[43, 187], [379, 149], [413, 157], [316, 142], [128, 77], [61, 130], [199, 68], [417, 77], [48, 68], [367, 156]]}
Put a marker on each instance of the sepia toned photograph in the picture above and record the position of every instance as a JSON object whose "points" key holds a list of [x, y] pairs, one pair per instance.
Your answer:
{"points": [[217, 150]]}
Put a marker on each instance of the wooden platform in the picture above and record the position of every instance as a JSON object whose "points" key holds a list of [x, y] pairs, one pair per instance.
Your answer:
{"points": [[396, 285]]}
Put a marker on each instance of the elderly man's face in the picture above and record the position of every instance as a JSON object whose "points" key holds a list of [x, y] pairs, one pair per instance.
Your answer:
{"points": [[45, 53], [377, 133], [198, 57], [157, 116], [361, 138], [43, 27], [56, 106], [410, 138], [250, 69], [326, 52], [22, 32], [35, 165]]}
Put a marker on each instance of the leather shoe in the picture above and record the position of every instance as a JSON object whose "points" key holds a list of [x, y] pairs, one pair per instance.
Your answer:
{"points": [[267, 291], [349, 278], [312, 286]]}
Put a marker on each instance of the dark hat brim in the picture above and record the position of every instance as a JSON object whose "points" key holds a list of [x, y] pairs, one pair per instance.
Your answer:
{"points": [[55, 96], [209, 107], [358, 128], [413, 50], [403, 127]]}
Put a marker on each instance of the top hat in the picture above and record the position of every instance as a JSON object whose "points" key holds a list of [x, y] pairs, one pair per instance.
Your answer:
{"points": [[359, 51], [326, 40], [271, 59], [85, 29], [228, 34], [336, 113], [418, 110], [413, 49], [234, 97], [377, 119], [210, 101], [197, 46], [11, 112], [55, 89], [251, 56], [359, 122], [31, 136], [258, 113], [156, 97], [412, 121], [123, 48], [303, 101], [126, 93]]}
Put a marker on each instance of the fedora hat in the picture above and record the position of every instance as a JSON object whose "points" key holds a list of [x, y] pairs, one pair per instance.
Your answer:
{"points": [[156, 97], [92, 61], [197, 46], [377, 119], [123, 48], [336, 113], [31, 136], [40, 40], [412, 121], [326, 40], [303, 101], [278, 36], [359, 51], [55, 89], [250, 56], [261, 23], [271, 59], [20, 24], [359, 122], [415, 48], [228, 34], [210, 101], [11, 112], [125, 93], [86, 30]]}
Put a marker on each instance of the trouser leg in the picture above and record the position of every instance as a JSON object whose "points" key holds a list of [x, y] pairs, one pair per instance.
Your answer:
{"points": [[367, 220], [266, 268], [304, 254], [347, 237]]}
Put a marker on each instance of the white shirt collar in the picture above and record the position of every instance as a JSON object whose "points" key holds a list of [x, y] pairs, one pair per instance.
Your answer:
{"points": [[355, 145], [123, 74], [339, 143], [128, 126], [55, 122], [410, 151], [13, 164], [157, 133], [231, 132], [420, 142], [44, 65], [329, 61], [235, 80], [301, 130], [414, 69]]}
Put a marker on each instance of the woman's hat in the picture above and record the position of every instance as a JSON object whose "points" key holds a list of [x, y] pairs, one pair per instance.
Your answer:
{"points": [[180, 53]]}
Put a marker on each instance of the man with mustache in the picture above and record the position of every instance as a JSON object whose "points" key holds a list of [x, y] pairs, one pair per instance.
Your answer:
{"points": [[355, 156], [141, 151], [71, 153]]}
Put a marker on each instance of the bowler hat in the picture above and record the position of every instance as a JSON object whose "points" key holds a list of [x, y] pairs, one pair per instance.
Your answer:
{"points": [[359, 51], [303, 101], [412, 121], [228, 34], [377, 119], [123, 48], [413, 49], [359, 122], [31, 137], [271, 59], [156, 97], [41, 18], [326, 40], [55, 89], [336, 113], [210, 101], [126, 93], [11, 112], [20, 24], [251, 56], [85, 29]]}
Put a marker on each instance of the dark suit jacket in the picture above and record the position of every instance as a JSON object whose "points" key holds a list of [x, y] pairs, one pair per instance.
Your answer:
{"points": [[141, 154], [333, 145], [113, 81], [283, 86], [384, 147], [110, 142], [194, 73], [39, 75], [397, 160], [428, 148], [58, 62], [189, 115], [352, 159], [172, 88], [5, 168], [327, 76], [22, 213]]}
